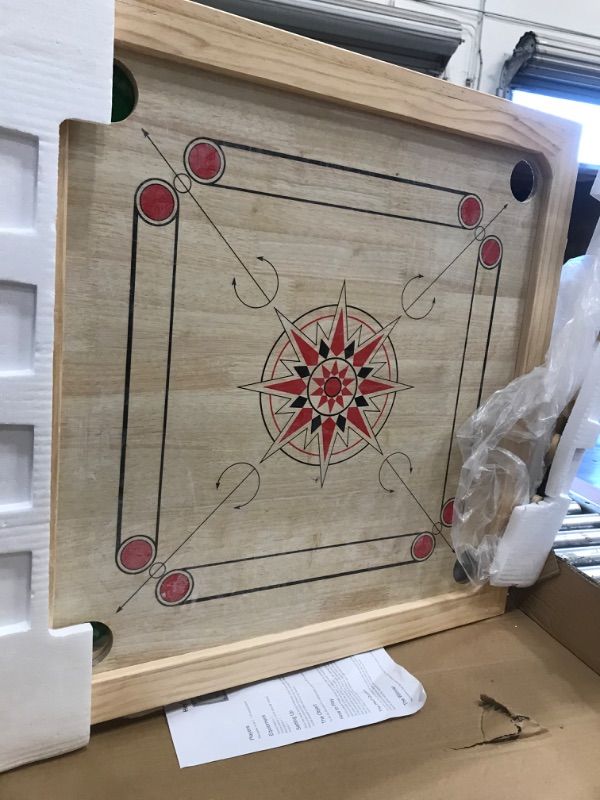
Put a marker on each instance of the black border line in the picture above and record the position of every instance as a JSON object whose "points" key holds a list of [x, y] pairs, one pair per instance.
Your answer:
{"points": [[483, 367], [341, 167], [303, 550], [458, 390], [323, 204], [314, 162], [127, 381], [167, 381], [489, 333], [295, 583], [128, 364]]}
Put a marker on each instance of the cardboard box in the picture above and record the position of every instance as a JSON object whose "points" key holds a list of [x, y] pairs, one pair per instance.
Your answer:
{"points": [[566, 604], [434, 755]]}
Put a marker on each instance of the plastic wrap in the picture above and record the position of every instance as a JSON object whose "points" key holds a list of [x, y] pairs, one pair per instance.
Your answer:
{"points": [[505, 442]]}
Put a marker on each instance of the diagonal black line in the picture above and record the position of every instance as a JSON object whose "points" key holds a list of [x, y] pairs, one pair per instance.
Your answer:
{"points": [[209, 220], [411, 493], [454, 260], [436, 279], [151, 140], [443, 535], [231, 250], [189, 536]]}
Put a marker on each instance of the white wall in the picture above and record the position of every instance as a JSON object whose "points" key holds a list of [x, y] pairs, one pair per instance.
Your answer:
{"points": [[499, 36]]}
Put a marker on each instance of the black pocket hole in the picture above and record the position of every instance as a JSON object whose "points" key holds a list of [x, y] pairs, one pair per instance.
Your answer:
{"points": [[459, 574], [523, 181], [102, 641], [124, 93]]}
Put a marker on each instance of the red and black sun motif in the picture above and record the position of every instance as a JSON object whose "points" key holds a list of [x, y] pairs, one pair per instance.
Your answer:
{"points": [[336, 371]]}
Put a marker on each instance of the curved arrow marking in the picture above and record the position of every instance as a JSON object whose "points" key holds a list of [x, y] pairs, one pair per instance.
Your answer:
{"points": [[406, 309], [218, 231], [250, 472], [389, 463], [253, 470], [265, 295]]}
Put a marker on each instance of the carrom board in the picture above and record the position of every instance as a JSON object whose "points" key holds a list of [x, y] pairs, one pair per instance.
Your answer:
{"points": [[288, 276]]}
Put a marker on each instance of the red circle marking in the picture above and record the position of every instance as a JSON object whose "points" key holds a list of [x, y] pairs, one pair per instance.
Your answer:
{"points": [[332, 387], [423, 546], [157, 202], [174, 587], [470, 211], [448, 512], [204, 160], [136, 554], [490, 251]]}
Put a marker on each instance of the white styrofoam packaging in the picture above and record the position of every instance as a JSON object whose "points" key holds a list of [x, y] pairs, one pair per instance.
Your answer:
{"points": [[55, 64], [532, 528]]}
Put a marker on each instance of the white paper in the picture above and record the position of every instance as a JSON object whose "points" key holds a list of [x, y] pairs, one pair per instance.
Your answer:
{"points": [[348, 693]]}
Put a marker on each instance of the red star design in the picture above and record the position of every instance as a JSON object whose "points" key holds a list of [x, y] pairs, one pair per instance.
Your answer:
{"points": [[331, 386]]}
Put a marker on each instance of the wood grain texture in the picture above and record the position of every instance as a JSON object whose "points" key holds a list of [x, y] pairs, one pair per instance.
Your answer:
{"points": [[226, 43], [324, 216], [167, 680], [314, 223]]}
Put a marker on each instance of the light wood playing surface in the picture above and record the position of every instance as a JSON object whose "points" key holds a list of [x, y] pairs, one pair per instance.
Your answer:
{"points": [[357, 219]]}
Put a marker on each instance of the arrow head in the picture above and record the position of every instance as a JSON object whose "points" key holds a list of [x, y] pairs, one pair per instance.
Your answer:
{"points": [[145, 132], [218, 483], [419, 276], [120, 608], [260, 258], [233, 282], [433, 302]]}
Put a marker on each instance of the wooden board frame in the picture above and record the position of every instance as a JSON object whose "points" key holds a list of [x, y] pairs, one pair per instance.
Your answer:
{"points": [[211, 40]]}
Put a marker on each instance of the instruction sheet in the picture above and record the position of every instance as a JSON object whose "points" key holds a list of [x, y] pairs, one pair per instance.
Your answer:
{"points": [[348, 693]]}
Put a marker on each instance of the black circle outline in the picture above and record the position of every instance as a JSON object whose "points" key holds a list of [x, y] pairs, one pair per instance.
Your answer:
{"points": [[339, 411], [160, 565], [184, 598], [460, 202], [491, 266], [191, 173], [182, 175], [138, 208], [414, 541], [122, 567], [449, 500]]}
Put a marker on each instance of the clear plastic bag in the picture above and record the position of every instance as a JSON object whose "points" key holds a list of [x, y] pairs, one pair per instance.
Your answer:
{"points": [[504, 443]]}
